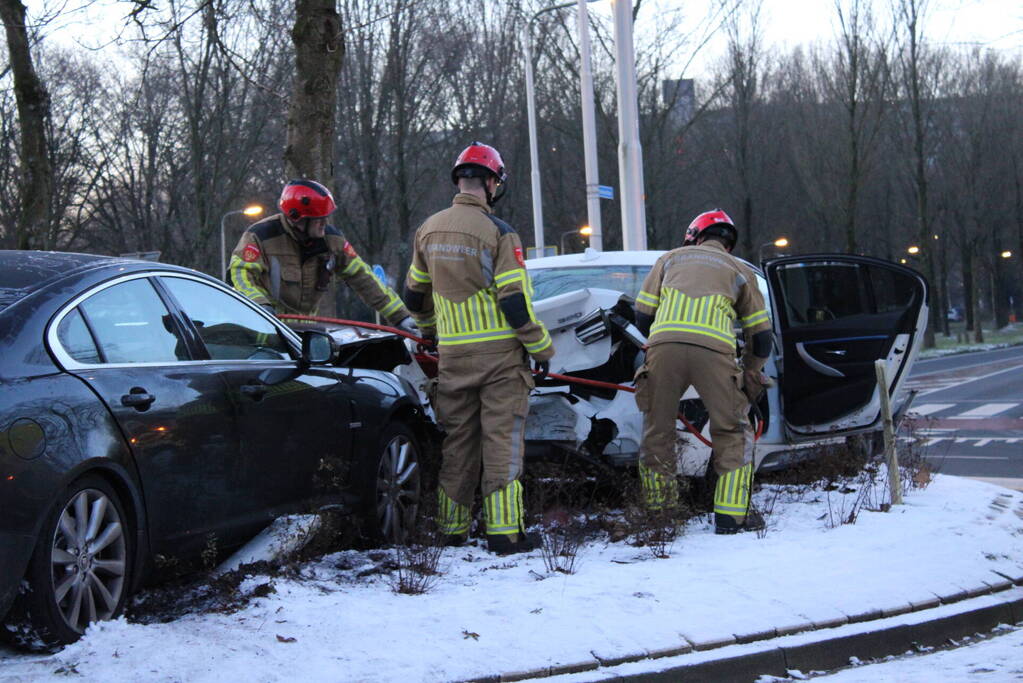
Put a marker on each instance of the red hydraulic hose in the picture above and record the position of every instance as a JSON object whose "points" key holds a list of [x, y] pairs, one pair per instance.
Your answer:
{"points": [[562, 378]]}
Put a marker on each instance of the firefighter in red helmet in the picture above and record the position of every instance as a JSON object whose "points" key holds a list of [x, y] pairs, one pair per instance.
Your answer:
{"points": [[687, 307], [468, 285], [285, 262]]}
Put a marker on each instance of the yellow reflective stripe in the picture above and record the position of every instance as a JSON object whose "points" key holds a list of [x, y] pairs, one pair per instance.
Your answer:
{"points": [[694, 329], [658, 490], [419, 275], [242, 277], [355, 265], [454, 518], [755, 319], [709, 315], [731, 495], [503, 509], [648, 299], [537, 347], [472, 338], [510, 276]]}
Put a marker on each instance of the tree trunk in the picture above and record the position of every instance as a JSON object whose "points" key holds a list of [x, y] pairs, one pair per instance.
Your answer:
{"points": [[319, 52], [33, 113], [975, 295], [966, 261]]}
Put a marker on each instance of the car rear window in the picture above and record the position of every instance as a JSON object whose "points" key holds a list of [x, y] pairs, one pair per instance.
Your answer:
{"points": [[548, 282]]}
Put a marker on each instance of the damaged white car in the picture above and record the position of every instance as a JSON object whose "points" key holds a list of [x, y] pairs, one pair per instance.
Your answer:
{"points": [[833, 315]]}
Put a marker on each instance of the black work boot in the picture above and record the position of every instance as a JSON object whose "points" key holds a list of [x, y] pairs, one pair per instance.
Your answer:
{"points": [[454, 540], [508, 544], [727, 524]]}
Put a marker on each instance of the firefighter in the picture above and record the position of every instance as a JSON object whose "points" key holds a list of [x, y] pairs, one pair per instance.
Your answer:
{"points": [[687, 308], [286, 261], [468, 285]]}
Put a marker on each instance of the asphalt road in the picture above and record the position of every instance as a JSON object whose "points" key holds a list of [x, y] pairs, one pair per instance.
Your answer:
{"points": [[969, 410]]}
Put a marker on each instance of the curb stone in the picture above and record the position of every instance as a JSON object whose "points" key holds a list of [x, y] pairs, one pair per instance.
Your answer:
{"points": [[824, 654]]}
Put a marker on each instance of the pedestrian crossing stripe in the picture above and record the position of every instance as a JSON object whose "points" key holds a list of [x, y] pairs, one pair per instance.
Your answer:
{"points": [[987, 410], [980, 412], [929, 408]]}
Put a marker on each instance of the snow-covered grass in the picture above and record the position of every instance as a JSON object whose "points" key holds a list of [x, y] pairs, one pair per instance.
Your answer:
{"points": [[339, 619], [960, 341]]}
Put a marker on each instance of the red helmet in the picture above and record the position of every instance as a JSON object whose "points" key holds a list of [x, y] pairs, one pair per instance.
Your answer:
{"points": [[478, 160], [306, 199], [716, 223]]}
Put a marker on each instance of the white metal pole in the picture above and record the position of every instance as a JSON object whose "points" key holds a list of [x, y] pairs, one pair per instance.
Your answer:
{"points": [[534, 154], [589, 130], [630, 153]]}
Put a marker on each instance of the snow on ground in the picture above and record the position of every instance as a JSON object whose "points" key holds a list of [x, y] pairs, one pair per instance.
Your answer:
{"points": [[489, 615]]}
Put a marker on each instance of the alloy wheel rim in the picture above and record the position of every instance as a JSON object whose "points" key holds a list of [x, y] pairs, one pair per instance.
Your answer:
{"points": [[397, 489], [87, 559]]}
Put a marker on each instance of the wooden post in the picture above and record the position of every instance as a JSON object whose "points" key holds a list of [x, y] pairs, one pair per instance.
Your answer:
{"points": [[890, 455]]}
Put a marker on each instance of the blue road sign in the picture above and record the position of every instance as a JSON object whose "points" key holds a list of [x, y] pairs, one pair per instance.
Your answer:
{"points": [[378, 270], [605, 191]]}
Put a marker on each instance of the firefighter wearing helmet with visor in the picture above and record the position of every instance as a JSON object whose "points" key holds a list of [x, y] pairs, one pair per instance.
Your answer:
{"points": [[468, 285], [687, 307], [285, 262]]}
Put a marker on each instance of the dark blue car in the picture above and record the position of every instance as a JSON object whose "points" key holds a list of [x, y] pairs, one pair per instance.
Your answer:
{"points": [[146, 409]]}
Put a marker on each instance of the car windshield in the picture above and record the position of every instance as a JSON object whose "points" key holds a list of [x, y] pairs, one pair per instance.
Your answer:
{"points": [[548, 282]]}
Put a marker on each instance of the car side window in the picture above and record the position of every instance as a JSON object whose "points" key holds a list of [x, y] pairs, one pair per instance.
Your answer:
{"points": [[818, 293], [132, 325], [76, 339], [230, 329], [893, 291]]}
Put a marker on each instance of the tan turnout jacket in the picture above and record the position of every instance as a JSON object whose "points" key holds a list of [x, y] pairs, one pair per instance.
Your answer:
{"points": [[272, 265], [468, 283]]}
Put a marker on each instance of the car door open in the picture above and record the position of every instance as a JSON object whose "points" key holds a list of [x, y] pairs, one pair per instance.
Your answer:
{"points": [[835, 316]]}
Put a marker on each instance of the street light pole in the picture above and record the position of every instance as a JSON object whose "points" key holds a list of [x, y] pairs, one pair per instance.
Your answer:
{"points": [[630, 152], [534, 154], [589, 129]]}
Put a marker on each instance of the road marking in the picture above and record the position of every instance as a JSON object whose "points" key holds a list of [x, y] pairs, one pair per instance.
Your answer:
{"points": [[929, 408], [986, 410], [967, 381], [969, 457], [981, 442]]}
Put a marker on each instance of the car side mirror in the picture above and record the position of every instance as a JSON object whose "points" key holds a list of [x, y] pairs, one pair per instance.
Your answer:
{"points": [[318, 348]]}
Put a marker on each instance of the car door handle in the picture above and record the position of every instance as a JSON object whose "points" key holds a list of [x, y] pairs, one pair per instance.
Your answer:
{"points": [[254, 391], [816, 364], [836, 352], [138, 398]]}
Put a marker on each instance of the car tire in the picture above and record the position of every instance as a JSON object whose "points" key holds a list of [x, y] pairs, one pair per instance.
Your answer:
{"points": [[80, 570], [392, 485]]}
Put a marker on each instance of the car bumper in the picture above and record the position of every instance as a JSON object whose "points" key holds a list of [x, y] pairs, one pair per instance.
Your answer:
{"points": [[15, 551]]}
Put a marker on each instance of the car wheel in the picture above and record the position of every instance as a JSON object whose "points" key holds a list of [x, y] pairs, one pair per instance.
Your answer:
{"points": [[394, 487], [80, 570]]}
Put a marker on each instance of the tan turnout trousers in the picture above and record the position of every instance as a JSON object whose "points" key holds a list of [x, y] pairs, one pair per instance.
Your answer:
{"points": [[670, 369], [482, 402]]}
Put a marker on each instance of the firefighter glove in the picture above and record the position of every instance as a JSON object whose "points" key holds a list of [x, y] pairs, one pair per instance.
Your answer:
{"points": [[541, 369], [753, 383], [407, 324], [268, 308]]}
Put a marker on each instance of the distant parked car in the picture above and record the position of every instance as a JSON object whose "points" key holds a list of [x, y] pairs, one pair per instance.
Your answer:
{"points": [[148, 410], [833, 316], [955, 314]]}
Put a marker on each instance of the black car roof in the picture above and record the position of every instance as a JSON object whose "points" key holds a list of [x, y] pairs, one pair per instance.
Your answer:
{"points": [[23, 272]]}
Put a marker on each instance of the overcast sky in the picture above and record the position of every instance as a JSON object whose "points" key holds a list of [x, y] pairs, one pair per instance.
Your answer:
{"points": [[992, 23]]}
